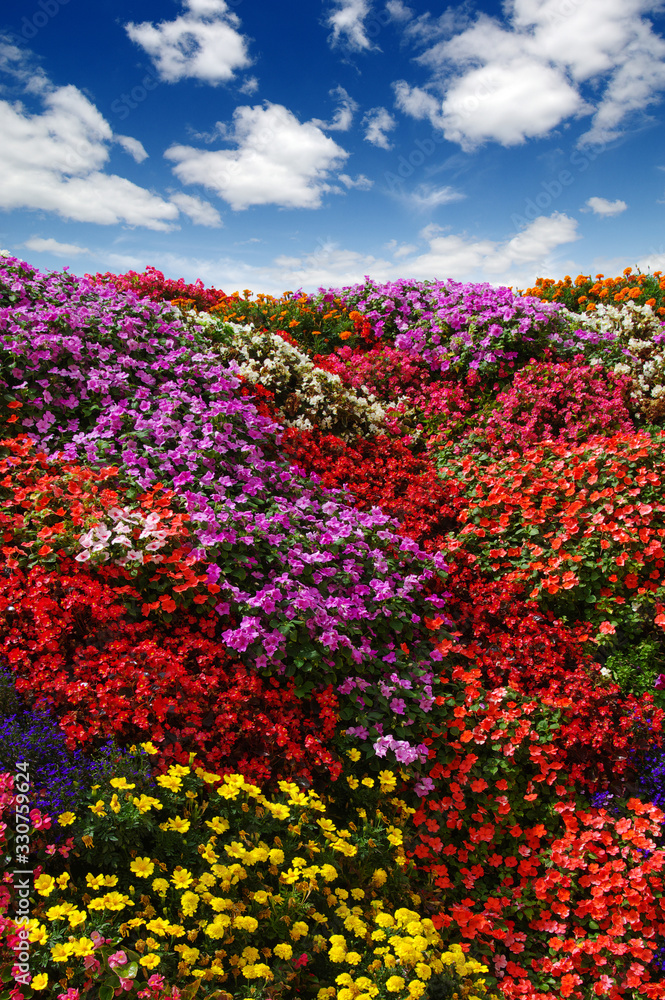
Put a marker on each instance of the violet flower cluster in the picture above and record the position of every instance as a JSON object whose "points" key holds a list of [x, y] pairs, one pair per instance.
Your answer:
{"points": [[454, 327], [309, 585]]}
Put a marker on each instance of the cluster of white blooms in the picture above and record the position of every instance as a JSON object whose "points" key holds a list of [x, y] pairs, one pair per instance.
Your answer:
{"points": [[128, 537], [306, 395], [641, 334]]}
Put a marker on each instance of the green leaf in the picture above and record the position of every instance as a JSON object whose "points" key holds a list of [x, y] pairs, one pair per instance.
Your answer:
{"points": [[106, 993]]}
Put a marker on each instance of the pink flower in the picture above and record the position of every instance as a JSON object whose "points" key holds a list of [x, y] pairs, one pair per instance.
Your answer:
{"points": [[118, 958]]}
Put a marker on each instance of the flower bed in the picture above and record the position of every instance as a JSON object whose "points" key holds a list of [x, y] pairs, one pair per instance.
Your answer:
{"points": [[343, 614]]}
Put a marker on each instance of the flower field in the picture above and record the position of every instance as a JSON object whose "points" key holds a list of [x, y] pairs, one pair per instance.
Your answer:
{"points": [[332, 640]]}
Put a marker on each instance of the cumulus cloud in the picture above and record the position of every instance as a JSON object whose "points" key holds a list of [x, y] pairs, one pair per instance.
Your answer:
{"points": [[41, 245], [203, 43], [133, 147], [277, 160], [399, 11], [361, 182], [53, 161], [201, 212], [508, 81], [602, 206], [378, 122], [347, 21], [343, 117], [515, 261]]}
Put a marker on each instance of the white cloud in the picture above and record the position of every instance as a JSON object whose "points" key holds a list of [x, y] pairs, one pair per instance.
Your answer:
{"points": [[361, 182], [343, 117], [601, 206], [40, 245], [133, 147], [203, 43], [200, 212], [515, 261], [378, 122], [547, 62], [53, 161], [425, 196], [348, 25], [277, 160], [249, 86], [398, 10]]}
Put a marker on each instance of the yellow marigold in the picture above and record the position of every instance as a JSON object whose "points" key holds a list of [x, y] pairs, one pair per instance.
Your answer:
{"points": [[44, 885], [246, 923], [160, 885], [218, 824], [61, 952], [189, 902], [144, 803], [181, 878], [83, 947], [178, 824], [283, 950], [66, 818], [142, 867], [120, 783], [416, 988], [170, 781], [98, 808], [150, 961], [395, 984]]}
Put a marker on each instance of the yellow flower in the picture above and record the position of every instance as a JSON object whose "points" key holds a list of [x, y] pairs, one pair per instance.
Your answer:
{"points": [[160, 885], [388, 781], [61, 952], [353, 754], [116, 901], [44, 885], [150, 961], [120, 783], [149, 747], [218, 824], [146, 802], [66, 818], [98, 808], [284, 951], [40, 981], [63, 879], [83, 947], [261, 897], [170, 781], [276, 857], [115, 803], [76, 917], [181, 878], [94, 881], [110, 880], [395, 984], [142, 867], [299, 929], [416, 988], [352, 782], [189, 903], [178, 824], [246, 923], [379, 877]]}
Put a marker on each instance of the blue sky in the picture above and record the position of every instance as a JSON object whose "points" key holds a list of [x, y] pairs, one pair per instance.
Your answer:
{"points": [[282, 146]]}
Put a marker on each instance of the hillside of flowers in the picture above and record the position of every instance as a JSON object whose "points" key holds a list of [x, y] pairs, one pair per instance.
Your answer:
{"points": [[332, 640]]}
